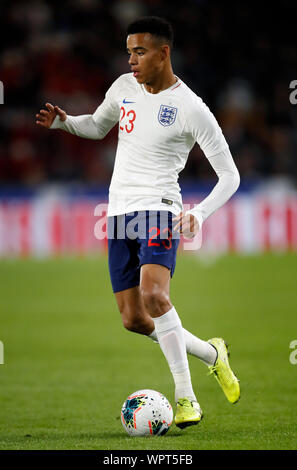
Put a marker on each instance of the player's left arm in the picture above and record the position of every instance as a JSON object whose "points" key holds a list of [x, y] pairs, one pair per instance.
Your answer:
{"points": [[209, 136]]}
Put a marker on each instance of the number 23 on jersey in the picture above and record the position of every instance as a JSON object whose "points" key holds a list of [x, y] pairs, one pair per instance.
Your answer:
{"points": [[130, 118]]}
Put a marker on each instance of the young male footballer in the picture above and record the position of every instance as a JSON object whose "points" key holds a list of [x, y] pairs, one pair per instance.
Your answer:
{"points": [[159, 120]]}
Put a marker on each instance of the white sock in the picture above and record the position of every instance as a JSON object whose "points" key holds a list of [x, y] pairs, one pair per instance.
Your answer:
{"points": [[170, 335], [196, 346]]}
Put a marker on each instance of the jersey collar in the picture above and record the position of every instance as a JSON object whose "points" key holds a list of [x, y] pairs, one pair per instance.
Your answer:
{"points": [[175, 85]]}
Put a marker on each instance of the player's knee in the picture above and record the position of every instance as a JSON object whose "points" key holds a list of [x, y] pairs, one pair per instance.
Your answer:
{"points": [[155, 300], [130, 324], [134, 325]]}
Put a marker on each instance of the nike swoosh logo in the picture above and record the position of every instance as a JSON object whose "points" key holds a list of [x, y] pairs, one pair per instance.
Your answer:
{"points": [[127, 102], [160, 252]]}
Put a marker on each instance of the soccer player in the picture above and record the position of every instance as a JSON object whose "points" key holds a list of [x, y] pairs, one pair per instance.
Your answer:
{"points": [[159, 120]]}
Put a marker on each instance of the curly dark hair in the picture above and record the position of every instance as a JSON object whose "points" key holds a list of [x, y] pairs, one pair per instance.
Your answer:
{"points": [[156, 26]]}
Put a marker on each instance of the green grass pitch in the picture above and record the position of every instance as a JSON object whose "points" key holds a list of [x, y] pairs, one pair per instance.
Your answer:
{"points": [[69, 363]]}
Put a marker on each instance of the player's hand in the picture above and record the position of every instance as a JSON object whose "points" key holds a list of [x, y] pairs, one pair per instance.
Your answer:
{"points": [[46, 117], [187, 225]]}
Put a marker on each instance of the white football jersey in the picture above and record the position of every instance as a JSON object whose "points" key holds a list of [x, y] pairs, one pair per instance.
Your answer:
{"points": [[156, 134]]}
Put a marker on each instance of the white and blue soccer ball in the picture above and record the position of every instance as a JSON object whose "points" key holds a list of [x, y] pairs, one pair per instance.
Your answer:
{"points": [[146, 413]]}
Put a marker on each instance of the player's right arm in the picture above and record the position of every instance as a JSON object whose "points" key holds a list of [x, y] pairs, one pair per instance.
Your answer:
{"points": [[89, 126]]}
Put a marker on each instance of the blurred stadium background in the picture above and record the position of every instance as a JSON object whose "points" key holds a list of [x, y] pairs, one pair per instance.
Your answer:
{"points": [[68, 53], [68, 362]]}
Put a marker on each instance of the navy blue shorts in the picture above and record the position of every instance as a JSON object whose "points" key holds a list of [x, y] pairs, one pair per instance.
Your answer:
{"points": [[144, 237]]}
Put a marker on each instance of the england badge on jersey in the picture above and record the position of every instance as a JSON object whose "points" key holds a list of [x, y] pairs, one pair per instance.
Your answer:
{"points": [[167, 115]]}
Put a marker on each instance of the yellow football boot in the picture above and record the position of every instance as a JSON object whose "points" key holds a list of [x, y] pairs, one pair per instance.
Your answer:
{"points": [[188, 413], [222, 371]]}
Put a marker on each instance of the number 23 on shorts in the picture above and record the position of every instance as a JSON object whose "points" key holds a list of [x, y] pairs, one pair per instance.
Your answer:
{"points": [[155, 233]]}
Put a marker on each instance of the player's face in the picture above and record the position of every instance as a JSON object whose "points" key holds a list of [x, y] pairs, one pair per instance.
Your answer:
{"points": [[147, 56]]}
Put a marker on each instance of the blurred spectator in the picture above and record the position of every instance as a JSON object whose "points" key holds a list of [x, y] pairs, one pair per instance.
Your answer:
{"points": [[70, 52]]}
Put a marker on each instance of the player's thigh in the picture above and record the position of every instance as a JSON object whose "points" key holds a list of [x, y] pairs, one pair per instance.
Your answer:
{"points": [[155, 288], [155, 277], [158, 251], [123, 259]]}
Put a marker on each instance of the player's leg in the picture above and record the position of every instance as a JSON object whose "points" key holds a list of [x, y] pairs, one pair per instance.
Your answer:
{"points": [[197, 347], [134, 316], [136, 319], [154, 287], [156, 250], [214, 353], [124, 271], [157, 256], [125, 279]]}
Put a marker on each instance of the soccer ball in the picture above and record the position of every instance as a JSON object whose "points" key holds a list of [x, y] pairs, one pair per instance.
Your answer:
{"points": [[146, 413]]}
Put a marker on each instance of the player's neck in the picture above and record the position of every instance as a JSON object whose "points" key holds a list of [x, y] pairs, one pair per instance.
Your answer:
{"points": [[161, 82]]}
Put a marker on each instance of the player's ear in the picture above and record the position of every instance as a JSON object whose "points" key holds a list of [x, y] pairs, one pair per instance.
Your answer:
{"points": [[165, 51]]}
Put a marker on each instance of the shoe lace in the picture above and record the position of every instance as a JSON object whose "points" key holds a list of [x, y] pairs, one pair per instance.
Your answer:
{"points": [[226, 379], [212, 370], [184, 402]]}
